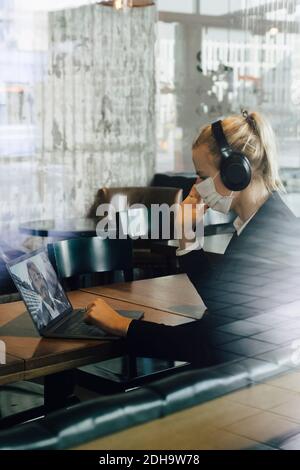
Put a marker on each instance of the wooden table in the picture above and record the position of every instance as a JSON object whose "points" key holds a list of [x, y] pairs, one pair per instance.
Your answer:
{"points": [[174, 294], [30, 356]]}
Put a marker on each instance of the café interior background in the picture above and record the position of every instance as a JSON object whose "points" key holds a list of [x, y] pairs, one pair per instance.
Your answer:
{"points": [[109, 105]]}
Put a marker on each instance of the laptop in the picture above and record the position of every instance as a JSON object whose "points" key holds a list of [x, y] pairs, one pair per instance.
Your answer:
{"points": [[47, 302]]}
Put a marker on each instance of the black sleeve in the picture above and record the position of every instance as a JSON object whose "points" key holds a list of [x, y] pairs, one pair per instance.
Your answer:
{"points": [[198, 268], [195, 264], [189, 342], [202, 274]]}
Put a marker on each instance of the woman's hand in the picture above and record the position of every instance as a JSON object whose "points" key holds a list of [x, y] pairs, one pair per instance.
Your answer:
{"points": [[192, 211], [193, 197], [100, 314], [194, 204]]}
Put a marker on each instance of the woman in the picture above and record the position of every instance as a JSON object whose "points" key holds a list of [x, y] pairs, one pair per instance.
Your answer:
{"points": [[257, 262]]}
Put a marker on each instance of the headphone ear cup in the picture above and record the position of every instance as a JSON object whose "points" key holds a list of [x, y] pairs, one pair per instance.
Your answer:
{"points": [[236, 171]]}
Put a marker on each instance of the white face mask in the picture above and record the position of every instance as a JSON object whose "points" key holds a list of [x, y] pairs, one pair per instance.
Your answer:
{"points": [[212, 198]]}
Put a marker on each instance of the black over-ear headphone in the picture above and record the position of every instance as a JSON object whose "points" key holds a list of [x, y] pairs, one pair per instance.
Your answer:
{"points": [[235, 167]]}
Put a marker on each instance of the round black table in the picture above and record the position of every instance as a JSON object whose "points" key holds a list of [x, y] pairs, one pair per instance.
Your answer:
{"points": [[72, 228], [85, 227], [121, 222], [69, 228]]}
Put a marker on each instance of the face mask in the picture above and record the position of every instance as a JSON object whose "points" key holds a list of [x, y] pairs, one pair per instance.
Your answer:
{"points": [[212, 198]]}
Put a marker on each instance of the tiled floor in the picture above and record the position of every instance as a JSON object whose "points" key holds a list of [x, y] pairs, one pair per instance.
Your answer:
{"points": [[265, 416]]}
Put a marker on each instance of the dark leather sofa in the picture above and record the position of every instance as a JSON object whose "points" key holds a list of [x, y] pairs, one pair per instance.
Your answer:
{"points": [[184, 181], [124, 197], [95, 419]]}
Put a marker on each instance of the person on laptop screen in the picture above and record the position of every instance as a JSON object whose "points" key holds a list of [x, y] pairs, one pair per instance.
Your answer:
{"points": [[39, 286], [50, 307]]}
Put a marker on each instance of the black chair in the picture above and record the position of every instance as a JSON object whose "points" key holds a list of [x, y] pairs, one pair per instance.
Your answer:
{"points": [[81, 256]]}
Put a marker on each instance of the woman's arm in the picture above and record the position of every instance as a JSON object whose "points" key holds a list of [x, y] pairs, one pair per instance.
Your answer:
{"points": [[189, 342]]}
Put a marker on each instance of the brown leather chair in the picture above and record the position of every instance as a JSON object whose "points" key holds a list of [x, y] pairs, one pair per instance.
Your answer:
{"points": [[122, 198], [149, 263]]}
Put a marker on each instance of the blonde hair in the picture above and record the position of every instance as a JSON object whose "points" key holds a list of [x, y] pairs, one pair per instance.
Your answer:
{"points": [[252, 134]]}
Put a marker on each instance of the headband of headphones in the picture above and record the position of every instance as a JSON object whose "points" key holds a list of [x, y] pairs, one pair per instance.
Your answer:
{"points": [[235, 169], [221, 140]]}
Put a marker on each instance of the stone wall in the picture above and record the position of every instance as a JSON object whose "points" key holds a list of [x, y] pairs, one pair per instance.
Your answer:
{"points": [[77, 109], [98, 107]]}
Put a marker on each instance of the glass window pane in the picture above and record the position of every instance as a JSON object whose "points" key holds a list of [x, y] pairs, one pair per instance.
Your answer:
{"points": [[220, 65], [77, 101], [186, 6], [222, 7]]}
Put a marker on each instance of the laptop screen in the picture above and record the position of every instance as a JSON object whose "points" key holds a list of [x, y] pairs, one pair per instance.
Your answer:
{"points": [[39, 287]]}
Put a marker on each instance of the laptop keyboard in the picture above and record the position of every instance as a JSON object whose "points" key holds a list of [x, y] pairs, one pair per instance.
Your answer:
{"points": [[76, 326]]}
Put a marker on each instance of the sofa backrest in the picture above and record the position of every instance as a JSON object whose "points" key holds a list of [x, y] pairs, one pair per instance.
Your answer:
{"points": [[97, 418], [122, 198]]}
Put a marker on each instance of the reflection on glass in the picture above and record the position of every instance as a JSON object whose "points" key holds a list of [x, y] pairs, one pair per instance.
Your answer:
{"points": [[70, 113], [184, 6], [235, 54]]}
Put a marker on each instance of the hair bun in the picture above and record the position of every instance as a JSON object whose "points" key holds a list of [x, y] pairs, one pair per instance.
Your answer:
{"points": [[250, 119], [245, 113]]}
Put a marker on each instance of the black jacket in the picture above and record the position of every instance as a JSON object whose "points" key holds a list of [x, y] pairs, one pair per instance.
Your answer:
{"points": [[258, 272]]}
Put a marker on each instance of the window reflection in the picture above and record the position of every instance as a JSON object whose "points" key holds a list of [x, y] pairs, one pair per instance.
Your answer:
{"points": [[72, 118], [184, 6], [234, 54]]}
